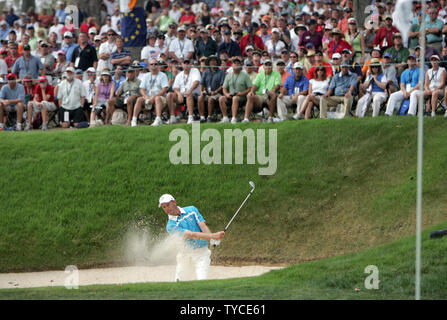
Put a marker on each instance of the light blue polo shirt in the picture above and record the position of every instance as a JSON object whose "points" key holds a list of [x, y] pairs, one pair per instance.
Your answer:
{"points": [[410, 76], [188, 220], [433, 37]]}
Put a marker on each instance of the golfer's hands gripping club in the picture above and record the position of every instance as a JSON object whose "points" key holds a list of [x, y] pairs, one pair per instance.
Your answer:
{"points": [[215, 240]]}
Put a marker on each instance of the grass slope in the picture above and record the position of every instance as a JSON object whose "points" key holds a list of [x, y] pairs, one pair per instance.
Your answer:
{"points": [[340, 277], [67, 197]]}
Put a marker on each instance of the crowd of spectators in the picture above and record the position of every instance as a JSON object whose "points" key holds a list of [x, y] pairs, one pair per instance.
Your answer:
{"points": [[214, 60]]}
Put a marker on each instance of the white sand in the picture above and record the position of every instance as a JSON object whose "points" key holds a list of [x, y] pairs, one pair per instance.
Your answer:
{"points": [[119, 275]]}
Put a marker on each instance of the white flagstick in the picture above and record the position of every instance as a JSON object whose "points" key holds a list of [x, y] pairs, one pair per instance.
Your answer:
{"points": [[420, 154]]}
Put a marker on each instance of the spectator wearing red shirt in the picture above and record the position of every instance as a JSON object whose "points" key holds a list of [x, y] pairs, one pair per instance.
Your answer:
{"points": [[13, 55], [43, 101], [337, 44], [251, 39], [319, 62], [384, 36], [90, 23], [343, 24], [188, 17]]}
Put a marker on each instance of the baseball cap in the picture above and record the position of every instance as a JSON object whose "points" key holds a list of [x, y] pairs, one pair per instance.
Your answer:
{"points": [[435, 56], [280, 61], [97, 38], [346, 50], [91, 70], [164, 199], [336, 56], [11, 76], [267, 61], [68, 34], [43, 78], [92, 30], [249, 47], [352, 20], [70, 69], [181, 29], [61, 52], [78, 71], [26, 47], [387, 55], [298, 65], [412, 56]]}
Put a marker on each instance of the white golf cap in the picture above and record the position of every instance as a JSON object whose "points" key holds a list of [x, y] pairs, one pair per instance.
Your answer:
{"points": [[165, 198], [298, 65], [68, 34], [70, 69], [91, 70], [92, 30], [336, 56], [275, 30]]}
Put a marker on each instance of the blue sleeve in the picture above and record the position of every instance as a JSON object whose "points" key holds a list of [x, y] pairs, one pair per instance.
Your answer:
{"points": [[22, 94], [39, 64], [332, 85], [199, 216], [305, 85], [2, 93], [402, 77], [15, 66], [354, 80], [286, 84]]}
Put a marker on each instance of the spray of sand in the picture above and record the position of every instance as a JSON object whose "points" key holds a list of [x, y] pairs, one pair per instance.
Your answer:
{"points": [[143, 247]]}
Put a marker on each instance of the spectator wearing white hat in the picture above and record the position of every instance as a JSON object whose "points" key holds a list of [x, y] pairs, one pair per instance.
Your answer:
{"points": [[153, 89], [150, 51], [293, 92], [68, 45], [105, 91], [4, 30], [92, 32], [434, 87], [61, 64], [90, 89], [181, 48], [150, 26], [71, 95], [189, 225], [274, 46]]}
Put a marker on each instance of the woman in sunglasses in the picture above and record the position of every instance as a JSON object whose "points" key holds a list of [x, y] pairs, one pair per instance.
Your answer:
{"points": [[318, 87]]}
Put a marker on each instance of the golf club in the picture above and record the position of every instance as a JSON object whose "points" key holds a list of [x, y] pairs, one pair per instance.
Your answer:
{"points": [[217, 242]]}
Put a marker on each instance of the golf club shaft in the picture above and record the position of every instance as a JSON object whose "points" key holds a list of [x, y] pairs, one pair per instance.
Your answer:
{"points": [[228, 225]]}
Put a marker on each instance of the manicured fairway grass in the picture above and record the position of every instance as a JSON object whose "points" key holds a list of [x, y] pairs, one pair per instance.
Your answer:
{"points": [[339, 277], [68, 197]]}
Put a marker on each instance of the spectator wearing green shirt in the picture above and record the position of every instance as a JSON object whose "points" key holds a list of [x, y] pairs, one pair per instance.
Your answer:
{"points": [[399, 54], [164, 20], [414, 36], [434, 30], [235, 89], [264, 89]]}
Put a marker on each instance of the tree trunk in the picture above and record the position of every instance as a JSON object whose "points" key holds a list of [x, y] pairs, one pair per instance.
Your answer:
{"points": [[91, 7], [359, 10]]}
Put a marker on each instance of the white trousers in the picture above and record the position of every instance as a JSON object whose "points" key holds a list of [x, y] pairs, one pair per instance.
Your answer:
{"points": [[377, 99], [199, 259], [396, 100], [285, 102]]}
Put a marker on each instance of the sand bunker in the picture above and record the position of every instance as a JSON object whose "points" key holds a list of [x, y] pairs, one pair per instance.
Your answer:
{"points": [[119, 275]]}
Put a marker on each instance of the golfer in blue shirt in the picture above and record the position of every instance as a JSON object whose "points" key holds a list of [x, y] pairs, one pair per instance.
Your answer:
{"points": [[188, 223]]}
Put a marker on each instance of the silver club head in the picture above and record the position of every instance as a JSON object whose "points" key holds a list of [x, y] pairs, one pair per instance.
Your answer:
{"points": [[252, 184]]}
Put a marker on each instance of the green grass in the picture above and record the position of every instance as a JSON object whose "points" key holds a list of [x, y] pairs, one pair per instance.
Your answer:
{"points": [[340, 277], [68, 197]]}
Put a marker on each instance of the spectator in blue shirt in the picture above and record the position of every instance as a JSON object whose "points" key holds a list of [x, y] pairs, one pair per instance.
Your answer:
{"points": [[409, 88], [4, 30], [11, 17], [12, 99], [230, 46], [68, 46], [27, 64], [341, 90], [60, 12], [293, 92], [120, 57]]}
